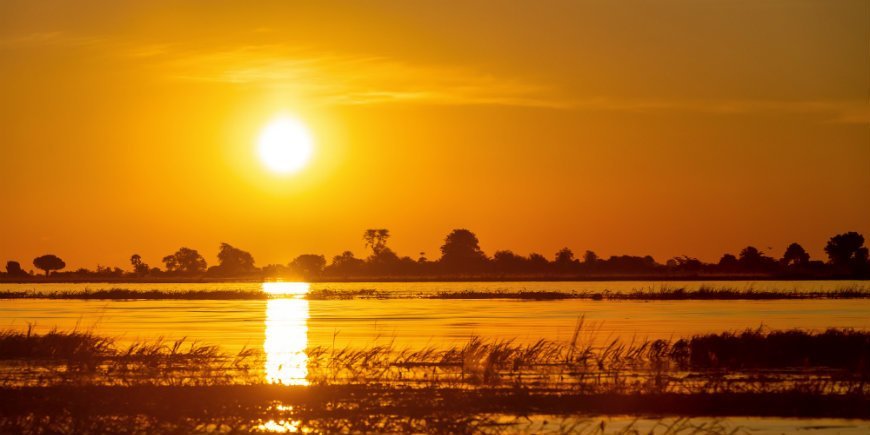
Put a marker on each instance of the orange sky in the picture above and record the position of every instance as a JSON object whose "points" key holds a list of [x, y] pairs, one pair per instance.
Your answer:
{"points": [[662, 128]]}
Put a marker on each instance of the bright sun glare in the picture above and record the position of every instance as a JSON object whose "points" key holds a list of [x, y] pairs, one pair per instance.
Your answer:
{"points": [[285, 146]]}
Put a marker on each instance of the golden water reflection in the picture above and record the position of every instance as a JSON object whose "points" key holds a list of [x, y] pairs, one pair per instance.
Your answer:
{"points": [[286, 333]]}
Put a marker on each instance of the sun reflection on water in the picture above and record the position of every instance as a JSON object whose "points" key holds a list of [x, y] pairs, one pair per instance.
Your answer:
{"points": [[286, 333], [290, 289]]}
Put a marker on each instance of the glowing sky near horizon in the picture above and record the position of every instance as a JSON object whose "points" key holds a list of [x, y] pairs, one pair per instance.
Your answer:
{"points": [[662, 128]]}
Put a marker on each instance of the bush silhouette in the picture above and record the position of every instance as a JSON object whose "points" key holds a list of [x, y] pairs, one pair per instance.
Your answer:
{"points": [[13, 268]]}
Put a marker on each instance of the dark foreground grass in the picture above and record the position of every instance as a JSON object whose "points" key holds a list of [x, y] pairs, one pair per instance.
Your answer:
{"points": [[669, 294], [83, 358], [77, 382], [830, 362]]}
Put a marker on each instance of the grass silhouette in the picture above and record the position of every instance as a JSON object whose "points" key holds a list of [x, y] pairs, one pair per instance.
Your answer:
{"points": [[702, 293]]}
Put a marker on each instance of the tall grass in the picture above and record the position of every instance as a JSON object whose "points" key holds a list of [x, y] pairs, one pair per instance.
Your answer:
{"points": [[830, 362], [83, 358]]}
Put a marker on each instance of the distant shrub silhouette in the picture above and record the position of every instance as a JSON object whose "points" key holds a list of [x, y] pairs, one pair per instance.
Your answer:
{"points": [[13, 269], [48, 263]]}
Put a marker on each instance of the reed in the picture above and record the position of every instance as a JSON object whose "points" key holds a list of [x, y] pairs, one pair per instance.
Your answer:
{"points": [[828, 362], [669, 294]]}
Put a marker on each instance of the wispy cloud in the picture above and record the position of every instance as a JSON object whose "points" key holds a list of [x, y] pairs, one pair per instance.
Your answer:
{"points": [[842, 111], [355, 79], [338, 78], [58, 39]]}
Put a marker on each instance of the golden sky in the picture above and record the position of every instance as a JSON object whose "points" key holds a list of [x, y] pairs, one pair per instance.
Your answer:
{"points": [[664, 128]]}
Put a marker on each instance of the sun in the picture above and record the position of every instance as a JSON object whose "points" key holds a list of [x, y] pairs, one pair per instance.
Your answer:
{"points": [[285, 145]]}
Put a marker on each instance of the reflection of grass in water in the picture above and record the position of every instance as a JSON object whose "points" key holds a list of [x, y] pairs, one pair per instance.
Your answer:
{"points": [[276, 418], [703, 293], [383, 409]]}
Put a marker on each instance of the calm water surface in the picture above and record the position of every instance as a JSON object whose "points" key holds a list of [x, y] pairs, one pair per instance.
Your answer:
{"points": [[289, 323], [285, 325]]}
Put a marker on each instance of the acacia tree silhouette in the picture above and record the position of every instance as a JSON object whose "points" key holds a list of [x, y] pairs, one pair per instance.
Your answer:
{"points": [[376, 239], [48, 263], [13, 268]]}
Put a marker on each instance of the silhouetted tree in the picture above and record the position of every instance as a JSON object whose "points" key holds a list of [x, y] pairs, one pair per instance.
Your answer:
{"points": [[376, 239], [505, 261], [308, 265], [233, 261], [185, 260], [753, 260], [48, 263], [538, 263], [107, 272], [461, 252], [590, 258], [685, 264], [847, 250], [564, 261], [619, 264], [13, 268], [728, 263], [345, 265], [384, 261], [139, 267], [564, 256], [795, 255]]}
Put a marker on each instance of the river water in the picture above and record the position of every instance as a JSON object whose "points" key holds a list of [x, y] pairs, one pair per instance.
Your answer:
{"points": [[417, 322]]}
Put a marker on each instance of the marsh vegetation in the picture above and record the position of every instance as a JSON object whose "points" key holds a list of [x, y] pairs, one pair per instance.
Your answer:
{"points": [[660, 294]]}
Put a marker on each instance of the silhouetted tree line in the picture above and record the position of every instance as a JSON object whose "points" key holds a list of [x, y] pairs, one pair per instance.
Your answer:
{"points": [[461, 257]]}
